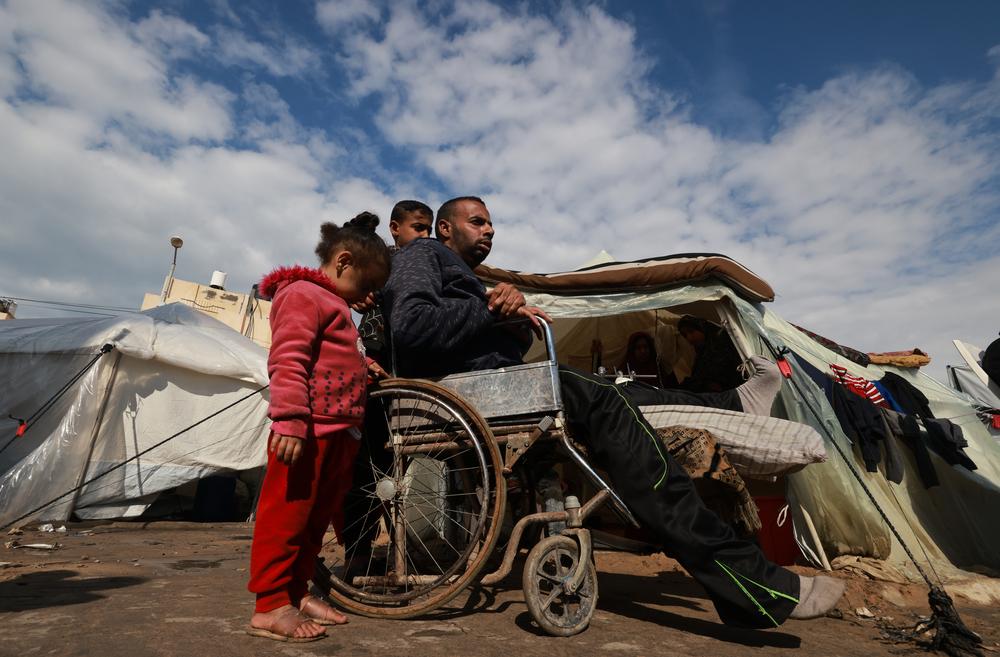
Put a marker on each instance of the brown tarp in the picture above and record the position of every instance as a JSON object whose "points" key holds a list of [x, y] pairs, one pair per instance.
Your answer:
{"points": [[639, 275]]}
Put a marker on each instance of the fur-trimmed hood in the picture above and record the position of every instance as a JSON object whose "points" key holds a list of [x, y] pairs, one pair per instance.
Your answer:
{"points": [[282, 276]]}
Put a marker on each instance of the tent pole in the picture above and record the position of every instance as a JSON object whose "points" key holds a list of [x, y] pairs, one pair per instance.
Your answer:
{"points": [[93, 438], [815, 537]]}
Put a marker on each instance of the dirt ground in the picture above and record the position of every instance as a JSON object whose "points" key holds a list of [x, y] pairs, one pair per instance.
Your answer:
{"points": [[169, 588]]}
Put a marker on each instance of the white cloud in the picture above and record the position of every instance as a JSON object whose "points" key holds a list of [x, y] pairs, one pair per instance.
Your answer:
{"points": [[83, 59], [116, 150], [870, 207], [335, 15], [858, 207], [285, 59], [172, 37]]}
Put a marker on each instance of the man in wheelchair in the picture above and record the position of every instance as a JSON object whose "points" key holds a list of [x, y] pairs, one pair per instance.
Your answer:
{"points": [[442, 321]]}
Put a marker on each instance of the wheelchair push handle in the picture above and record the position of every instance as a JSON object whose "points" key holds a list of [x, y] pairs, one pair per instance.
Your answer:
{"points": [[547, 336]]}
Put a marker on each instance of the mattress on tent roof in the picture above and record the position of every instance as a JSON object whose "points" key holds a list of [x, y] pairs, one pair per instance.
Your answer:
{"points": [[639, 275]]}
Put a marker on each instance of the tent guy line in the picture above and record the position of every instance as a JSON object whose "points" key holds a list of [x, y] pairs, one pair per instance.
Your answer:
{"points": [[49, 302], [137, 475], [24, 425], [132, 458], [951, 634]]}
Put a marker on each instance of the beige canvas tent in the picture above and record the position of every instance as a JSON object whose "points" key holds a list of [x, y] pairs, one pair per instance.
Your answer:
{"points": [[951, 524]]}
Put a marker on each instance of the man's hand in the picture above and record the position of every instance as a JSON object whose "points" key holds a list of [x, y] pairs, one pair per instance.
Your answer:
{"points": [[364, 306], [505, 300], [287, 449], [520, 329], [375, 372], [536, 316]]}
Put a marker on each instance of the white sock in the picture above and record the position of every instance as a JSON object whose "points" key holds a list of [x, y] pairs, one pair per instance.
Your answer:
{"points": [[758, 393]]}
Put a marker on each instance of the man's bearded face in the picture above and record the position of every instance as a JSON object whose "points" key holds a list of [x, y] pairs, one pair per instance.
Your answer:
{"points": [[470, 232]]}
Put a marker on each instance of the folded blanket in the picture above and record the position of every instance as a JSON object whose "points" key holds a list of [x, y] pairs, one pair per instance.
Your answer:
{"points": [[911, 358], [719, 485], [759, 447]]}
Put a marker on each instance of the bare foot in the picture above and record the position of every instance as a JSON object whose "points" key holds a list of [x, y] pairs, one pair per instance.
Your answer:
{"points": [[320, 612], [285, 624]]}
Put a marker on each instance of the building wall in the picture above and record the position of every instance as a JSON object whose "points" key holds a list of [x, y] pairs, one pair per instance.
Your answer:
{"points": [[239, 311]]}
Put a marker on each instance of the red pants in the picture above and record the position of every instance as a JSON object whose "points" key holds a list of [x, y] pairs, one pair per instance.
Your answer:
{"points": [[297, 504]]}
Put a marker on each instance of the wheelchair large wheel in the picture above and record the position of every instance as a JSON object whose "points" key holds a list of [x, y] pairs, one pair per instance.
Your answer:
{"points": [[428, 498], [549, 564]]}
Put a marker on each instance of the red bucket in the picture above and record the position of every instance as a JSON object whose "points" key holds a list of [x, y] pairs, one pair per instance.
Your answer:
{"points": [[777, 543]]}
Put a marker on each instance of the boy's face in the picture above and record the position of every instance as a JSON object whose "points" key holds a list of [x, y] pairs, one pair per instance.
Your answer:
{"points": [[413, 225]]}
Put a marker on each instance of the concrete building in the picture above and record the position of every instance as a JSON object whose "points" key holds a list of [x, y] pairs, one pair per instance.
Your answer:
{"points": [[243, 312]]}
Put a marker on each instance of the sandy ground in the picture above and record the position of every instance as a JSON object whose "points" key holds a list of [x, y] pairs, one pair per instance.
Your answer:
{"points": [[169, 588]]}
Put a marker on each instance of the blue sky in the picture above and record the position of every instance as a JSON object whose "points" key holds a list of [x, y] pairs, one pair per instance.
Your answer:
{"points": [[848, 152]]}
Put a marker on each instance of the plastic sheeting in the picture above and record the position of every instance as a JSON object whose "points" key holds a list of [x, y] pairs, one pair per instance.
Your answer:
{"points": [[949, 526], [171, 367], [964, 380]]}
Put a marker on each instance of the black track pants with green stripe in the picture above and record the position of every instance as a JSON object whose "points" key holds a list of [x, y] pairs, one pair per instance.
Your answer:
{"points": [[746, 588]]}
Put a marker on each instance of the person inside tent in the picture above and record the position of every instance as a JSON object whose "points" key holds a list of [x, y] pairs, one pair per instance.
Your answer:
{"points": [[716, 365], [642, 361], [442, 321]]}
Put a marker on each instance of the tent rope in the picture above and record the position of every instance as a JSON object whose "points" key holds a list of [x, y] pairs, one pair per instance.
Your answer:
{"points": [[25, 424], [951, 635], [118, 466]]}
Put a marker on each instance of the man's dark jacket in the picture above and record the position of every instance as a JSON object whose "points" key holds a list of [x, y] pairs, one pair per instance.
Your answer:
{"points": [[435, 331]]}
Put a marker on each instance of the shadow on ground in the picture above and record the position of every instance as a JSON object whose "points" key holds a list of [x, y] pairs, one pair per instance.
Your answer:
{"points": [[630, 595], [638, 597], [57, 588]]}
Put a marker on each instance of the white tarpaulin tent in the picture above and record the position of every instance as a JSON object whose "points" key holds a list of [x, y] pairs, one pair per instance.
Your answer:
{"points": [[951, 524], [170, 367]]}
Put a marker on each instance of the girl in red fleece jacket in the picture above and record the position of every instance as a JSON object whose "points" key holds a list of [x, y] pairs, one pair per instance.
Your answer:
{"points": [[318, 373]]}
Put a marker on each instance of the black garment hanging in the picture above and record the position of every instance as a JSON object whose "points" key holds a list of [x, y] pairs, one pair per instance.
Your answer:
{"points": [[894, 466], [860, 419], [944, 437], [910, 399], [948, 441], [906, 428]]}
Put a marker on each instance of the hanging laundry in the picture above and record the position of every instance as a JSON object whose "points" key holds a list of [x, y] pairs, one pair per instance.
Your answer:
{"points": [[860, 420], [889, 399], [947, 439], [894, 464], [909, 431], [858, 385], [909, 398]]}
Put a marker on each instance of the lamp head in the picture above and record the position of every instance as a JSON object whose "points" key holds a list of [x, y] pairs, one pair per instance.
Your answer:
{"points": [[176, 241]]}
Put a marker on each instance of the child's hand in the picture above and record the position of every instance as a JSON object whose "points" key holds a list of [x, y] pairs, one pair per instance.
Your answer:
{"points": [[287, 449], [376, 372], [365, 305]]}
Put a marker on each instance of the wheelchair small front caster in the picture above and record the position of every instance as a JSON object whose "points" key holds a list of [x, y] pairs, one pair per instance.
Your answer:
{"points": [[550, 566]]}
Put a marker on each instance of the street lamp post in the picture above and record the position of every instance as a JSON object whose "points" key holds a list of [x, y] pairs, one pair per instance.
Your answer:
{"points": [[177, 243]]}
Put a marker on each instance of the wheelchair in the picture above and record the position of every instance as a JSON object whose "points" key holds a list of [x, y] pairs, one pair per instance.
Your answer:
{"points": [[435, 495]]}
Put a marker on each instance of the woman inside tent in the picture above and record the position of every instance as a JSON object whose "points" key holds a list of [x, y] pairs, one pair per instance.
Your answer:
{"points": [[641, 360]]}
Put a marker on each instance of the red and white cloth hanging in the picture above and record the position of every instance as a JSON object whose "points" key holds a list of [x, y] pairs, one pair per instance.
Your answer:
{"points": [[858, 385]]}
